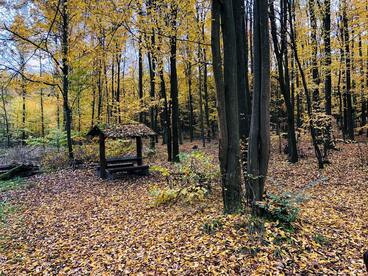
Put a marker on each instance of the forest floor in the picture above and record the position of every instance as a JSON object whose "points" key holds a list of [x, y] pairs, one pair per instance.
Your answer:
{"points": [[72, 223]]}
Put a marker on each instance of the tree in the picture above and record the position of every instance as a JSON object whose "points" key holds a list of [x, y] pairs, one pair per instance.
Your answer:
{"points": [[259, 137], [174, 86], [281, 52], [227, 97]]}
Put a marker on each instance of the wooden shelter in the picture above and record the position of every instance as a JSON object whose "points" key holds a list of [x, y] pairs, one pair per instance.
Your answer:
{"points": [[126, 164]]}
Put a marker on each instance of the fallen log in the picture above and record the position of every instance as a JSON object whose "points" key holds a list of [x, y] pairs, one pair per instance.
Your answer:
{"points": [[19, 171], [365, 257]]}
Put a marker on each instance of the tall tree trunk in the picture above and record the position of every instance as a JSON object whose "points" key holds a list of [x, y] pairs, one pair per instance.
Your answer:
{"points": [[362, 98], [306, 91], [244, 102], [65, 70], [283, 70], [140, 82], [118, 86], [166, 116], [349, 105], [327, 57], [190, 101], [152, 69], [259, 138], [41, 105], [315, 76], [6, 118], [200, 87], [227, 97], [174, 88]]}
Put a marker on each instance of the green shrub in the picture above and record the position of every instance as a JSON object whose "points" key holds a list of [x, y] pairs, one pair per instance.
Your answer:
{"points": [[163, 196], [212, 226], [167, 196], [281, 208], [197, 168], [322, 240], [189, 181]]}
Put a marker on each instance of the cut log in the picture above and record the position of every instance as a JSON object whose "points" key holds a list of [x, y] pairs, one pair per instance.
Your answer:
{"points": [[19, 171]]}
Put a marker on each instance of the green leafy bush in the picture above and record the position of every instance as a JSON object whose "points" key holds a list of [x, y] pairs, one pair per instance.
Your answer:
{"points": [[166, 196], [281, 208], [211, 227], [189, 181], [196, 168], [163, 196]]}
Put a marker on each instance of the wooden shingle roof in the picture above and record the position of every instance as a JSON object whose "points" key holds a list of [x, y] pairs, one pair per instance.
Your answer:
{"points": [[123, 131]]}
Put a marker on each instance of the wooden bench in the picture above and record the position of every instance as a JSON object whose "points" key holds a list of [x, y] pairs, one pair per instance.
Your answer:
{"points": [[122, 169], [124, 159]]}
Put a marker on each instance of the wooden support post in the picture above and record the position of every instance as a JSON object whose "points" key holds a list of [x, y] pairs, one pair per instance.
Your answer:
{"points": [[103, 163], [139, 150]]}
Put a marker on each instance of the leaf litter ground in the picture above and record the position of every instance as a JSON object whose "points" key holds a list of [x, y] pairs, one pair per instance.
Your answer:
{"points": [[72, 223]]}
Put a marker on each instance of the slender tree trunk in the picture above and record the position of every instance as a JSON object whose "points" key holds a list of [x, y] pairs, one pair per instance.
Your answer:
{"points": [[362, 99], [166, 116], [349, 105], [174, 88], [327, 58], [65, 70], [306, 91], [283, 70], [190, 101], [41, 105], [140, 82], [152, 69], [315, 75], [6, 118], [200, 87], [118, 86]]}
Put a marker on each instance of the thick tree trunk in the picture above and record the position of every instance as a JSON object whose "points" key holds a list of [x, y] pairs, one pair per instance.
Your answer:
{"points": [[259, 137], [226, 89], [244, 102]]}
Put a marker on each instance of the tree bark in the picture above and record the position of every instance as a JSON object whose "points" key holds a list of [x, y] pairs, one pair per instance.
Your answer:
{"points": [[65, 71], [259, 137], [227, 97], [174, 88]]}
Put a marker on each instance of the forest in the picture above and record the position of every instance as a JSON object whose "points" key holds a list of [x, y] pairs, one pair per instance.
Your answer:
{"points": [[197, 137]]}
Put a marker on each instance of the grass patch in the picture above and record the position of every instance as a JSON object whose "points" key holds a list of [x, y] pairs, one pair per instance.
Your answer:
{"points": [[7, 185], [5, 209]]}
